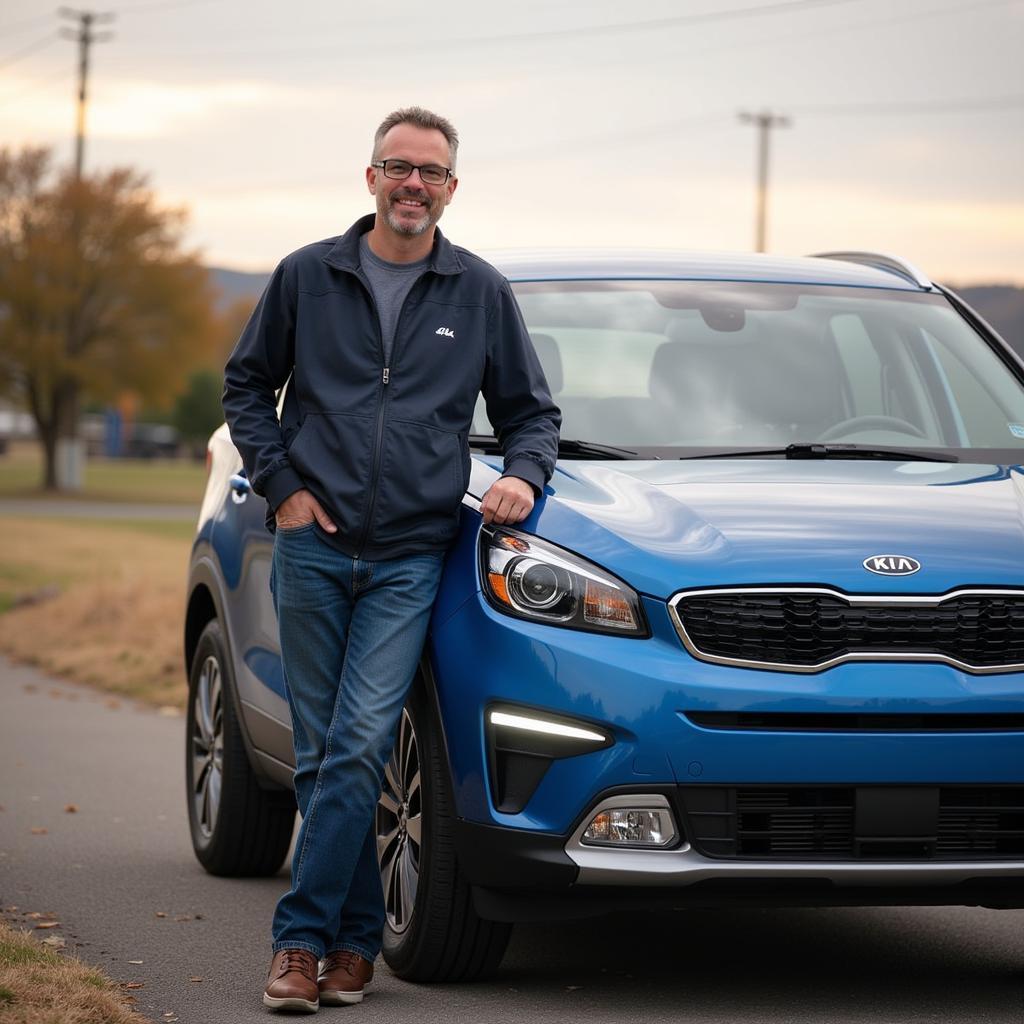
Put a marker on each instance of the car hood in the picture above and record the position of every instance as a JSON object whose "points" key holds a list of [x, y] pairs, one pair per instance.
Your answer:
{"points": [[664, 526]]}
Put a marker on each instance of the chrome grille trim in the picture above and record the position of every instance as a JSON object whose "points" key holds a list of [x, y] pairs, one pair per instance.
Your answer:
{"points": [[880, 600]]}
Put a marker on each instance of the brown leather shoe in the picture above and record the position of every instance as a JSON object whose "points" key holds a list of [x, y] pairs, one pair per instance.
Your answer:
{"points": [[343, 977], [291, 982]]}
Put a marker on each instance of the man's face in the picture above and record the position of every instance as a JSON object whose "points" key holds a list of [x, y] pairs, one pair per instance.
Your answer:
{"points": [[411, 207]]}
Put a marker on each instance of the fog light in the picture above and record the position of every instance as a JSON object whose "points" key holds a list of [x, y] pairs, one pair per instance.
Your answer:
{"points": [[631, 826]]}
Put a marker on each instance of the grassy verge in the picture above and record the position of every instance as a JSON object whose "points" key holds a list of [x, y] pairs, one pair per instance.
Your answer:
{"points": [[157, 481], [100, 602], [38, 986]]}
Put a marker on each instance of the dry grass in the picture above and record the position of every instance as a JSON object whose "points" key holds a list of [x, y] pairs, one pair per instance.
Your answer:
{"points": [[155, 481], [40, 987], [110, 602]]}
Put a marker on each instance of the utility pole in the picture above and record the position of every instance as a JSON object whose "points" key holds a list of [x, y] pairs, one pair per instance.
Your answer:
{"points": [[764, 121], [70, 447], [85, 37]]}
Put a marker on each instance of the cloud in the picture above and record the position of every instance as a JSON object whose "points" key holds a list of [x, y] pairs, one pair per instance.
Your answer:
{"points": [[137, 108]]}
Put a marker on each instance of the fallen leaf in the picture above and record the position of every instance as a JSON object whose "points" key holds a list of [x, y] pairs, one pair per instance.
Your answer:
{"points": [[33, 915], [112, 704], [39, 831], [183, 917], [71, 809], [161, 913], [169, 711], [54, 942], [195, 978], [135, 961], [199, 917], [30, 687], [134, 984], [48, 924], [56, 694]]}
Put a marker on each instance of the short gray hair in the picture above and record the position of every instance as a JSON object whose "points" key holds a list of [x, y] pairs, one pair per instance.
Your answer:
{"points": [[422, 119]]}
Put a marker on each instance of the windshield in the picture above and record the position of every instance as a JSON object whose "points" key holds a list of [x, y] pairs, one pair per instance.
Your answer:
{"points": [[707, 365]]}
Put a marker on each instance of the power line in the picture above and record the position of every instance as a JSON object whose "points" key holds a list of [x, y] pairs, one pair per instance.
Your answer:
{"points": [[163, 5], [576, 32], [950, 106], [38, 44], [733, 14], [20, 26]]}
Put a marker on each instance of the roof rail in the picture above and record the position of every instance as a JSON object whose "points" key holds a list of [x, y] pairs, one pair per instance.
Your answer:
{"points": [[881, 261]]}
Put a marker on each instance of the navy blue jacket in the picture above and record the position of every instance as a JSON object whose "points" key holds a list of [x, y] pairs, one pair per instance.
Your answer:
{"points": [[385, 449]]}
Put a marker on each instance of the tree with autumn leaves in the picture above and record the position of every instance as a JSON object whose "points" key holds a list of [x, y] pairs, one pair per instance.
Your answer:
{"points": [[97, 295]]}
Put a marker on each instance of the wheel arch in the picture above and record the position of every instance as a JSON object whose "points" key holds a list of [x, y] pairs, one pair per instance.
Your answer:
{"points": [[206, 603], [428, 679]]}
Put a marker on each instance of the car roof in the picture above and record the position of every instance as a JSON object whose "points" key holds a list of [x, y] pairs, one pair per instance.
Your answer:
{"points": [[636, 264]]}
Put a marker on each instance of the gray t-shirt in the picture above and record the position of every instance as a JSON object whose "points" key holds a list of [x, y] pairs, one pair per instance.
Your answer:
{"points": [[390, 284]]}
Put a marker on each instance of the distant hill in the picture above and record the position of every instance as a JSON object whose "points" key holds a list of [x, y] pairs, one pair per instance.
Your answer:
{"points": [[238, 284], [1001, 305]]}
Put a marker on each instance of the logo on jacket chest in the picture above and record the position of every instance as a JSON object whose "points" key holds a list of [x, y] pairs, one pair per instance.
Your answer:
{"points": [[445, 332]]}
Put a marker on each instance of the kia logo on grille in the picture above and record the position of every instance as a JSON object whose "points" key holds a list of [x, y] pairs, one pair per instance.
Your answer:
{"points": [[892, 565]]}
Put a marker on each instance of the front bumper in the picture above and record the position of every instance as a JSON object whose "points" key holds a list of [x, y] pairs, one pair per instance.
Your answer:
{"points": [[644, 692], [523, 876]]}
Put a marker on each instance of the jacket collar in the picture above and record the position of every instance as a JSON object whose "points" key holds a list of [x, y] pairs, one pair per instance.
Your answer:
{"points": [[344, 254]]}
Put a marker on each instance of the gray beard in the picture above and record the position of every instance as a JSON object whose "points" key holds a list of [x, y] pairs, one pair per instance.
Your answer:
{"points": [[403, 227]]}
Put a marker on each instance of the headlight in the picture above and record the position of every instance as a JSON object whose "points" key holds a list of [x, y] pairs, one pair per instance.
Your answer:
{"points": [[535, 580]]}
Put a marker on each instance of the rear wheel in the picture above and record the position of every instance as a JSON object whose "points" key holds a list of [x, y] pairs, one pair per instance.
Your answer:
{"points": [[237, 826], [432, 931]]}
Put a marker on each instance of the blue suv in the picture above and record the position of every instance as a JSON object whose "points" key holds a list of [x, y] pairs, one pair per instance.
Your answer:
{"points": [[761, 641]]}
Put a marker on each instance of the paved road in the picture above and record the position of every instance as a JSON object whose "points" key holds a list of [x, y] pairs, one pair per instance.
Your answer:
{"points": [[74, 509], [108, 870]]}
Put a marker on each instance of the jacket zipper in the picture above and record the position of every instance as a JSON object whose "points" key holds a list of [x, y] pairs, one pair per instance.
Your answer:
{"points": [[385, 379]]}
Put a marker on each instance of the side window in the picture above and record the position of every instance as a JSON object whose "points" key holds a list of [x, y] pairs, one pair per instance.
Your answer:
{"points": [[983, 420], [861, 364]]}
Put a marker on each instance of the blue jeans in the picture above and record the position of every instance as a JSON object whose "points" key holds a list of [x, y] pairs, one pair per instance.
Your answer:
{"points": [[352, 633]]}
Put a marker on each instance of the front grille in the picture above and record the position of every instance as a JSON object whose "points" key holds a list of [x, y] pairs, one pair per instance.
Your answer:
{"points": [[807, 629], [843, 822]]}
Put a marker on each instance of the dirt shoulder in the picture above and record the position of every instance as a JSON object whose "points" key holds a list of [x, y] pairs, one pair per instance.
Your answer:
{"points": [[97, 601]]}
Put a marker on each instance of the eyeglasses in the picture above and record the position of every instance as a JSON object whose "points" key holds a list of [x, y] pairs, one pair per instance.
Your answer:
{"points": [[431, 174]]}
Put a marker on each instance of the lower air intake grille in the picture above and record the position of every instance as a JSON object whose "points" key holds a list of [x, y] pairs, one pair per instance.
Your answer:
{"points": [[856, 823]]}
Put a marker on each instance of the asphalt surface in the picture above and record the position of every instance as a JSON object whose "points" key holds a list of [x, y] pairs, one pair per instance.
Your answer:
{"points": [[120, 876], [74, 509]]}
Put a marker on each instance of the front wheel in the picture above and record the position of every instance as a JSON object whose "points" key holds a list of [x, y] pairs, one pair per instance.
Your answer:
{"points": [[432, 931], [238, 828]]}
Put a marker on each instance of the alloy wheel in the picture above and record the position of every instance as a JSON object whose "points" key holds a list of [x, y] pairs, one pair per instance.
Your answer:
{"points": [[208, 746], [400, 827]]}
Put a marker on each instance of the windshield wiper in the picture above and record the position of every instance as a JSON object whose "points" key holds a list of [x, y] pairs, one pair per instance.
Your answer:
{"points": [[566, 446], [804, 450], [608, 451]]}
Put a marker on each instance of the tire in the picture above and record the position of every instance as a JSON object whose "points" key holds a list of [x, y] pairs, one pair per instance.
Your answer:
{"points": [[432, 931], [238, 827]]}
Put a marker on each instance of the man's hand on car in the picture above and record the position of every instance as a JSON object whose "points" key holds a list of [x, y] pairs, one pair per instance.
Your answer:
{"points": [[301, 508], [508, 500]]}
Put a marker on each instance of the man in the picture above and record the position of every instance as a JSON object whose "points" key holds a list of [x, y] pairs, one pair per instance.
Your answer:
{"points": [[385, 336]]}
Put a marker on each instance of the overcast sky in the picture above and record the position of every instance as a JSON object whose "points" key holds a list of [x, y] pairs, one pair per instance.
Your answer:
{"points": [[582, 123]]}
